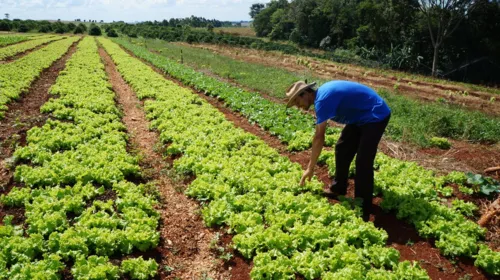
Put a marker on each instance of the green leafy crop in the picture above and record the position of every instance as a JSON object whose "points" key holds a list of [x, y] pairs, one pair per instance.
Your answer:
{"points": [[16, 77], [139, 268], [287, 229], [79, 206], [291, 126]]}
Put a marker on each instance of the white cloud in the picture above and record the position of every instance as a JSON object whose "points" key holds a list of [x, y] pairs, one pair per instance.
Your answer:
{"points": [[127, 10]]}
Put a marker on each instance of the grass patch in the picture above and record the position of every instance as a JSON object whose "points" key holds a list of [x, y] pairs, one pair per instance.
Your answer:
{"points": [[417, 122]]}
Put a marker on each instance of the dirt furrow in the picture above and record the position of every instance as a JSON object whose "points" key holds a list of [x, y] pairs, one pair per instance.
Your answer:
{"points": [[402, 236], [185, 241], [24, 114]]}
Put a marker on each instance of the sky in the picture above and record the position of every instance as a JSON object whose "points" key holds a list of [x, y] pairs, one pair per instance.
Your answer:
{"points": [[126, 10]]}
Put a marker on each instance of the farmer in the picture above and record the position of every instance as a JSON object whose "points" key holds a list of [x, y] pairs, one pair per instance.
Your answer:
{"points": [[365, 115]]}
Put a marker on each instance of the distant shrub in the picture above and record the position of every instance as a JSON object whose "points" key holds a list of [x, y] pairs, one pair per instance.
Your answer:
{"points": [[191, 38], [23, 28], [112, 33], [5, 25], [82, 26], [79, 30], [59, 30], [95, 30], [440, 142], [71, 26], [45, 28], [295, 36]]}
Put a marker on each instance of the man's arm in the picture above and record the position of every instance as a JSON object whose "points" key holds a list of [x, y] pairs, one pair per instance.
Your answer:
{"points": [[317, 146]]}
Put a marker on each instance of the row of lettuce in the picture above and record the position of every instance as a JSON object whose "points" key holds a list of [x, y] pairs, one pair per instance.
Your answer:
{"points": [[416, 195], [13, 50], [6, 40], [413, 192], [286, 229], [291, 126], [71, 179], [17, 76]]}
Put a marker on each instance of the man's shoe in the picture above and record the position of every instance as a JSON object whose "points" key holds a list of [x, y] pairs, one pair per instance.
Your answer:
{"points": [[338, 189], [335, 190], [366, 217]]}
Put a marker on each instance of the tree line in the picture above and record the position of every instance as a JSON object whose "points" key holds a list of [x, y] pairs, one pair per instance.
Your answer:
{"points": [[191, 21], [456, 39], [44, 26]]}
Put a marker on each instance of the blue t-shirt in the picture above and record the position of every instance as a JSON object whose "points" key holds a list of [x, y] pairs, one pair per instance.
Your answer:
{"points": [[349, 103]]}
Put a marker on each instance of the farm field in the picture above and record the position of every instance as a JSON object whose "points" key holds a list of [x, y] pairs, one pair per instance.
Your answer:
{"points": [[11, 51], [241, 31], [11, 39], [452, 91], [120, 162], [256, 109], [436, 119], [238, 31]]}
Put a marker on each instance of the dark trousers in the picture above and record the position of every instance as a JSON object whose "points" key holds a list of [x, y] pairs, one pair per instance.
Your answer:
{"points": [[361, 141]]}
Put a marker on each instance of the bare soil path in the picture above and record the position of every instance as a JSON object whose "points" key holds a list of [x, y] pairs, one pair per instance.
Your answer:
{"points": [[402, 236], [185, 240], [415, 88]]}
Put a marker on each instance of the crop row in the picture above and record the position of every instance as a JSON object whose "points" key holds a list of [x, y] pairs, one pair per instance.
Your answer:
{"points": [[415, 195], [11, 39], [16, 77], [291, 126], [287, 229], [408, 189], [9, 51], [79, 207]]}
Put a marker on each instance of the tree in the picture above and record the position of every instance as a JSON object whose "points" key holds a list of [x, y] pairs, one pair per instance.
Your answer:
{"points": [[95, 30], [7, 15], [112, 33], [82, 27], [79, 30], [71, 26], [281, 25], [5, 25], [45, 28], [60, 29], [262, 21], [255, 9], [23, 28], [443, 17]]}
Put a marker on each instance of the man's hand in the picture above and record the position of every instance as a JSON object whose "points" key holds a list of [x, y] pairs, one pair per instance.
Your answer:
{"points": [[308, 173], [317, 146]]}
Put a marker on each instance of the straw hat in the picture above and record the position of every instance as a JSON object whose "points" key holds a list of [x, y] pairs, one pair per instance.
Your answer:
{"points": [[295, 90]]}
